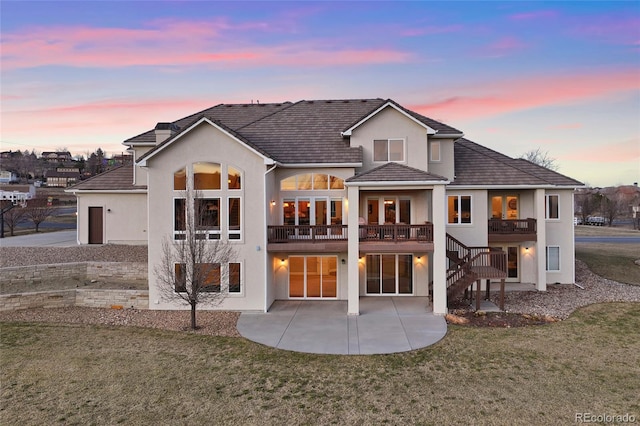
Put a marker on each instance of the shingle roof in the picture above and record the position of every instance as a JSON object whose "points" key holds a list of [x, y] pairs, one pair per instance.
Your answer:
{"points": [[394, 172], [116, 179], [478, 165], [310, 131], [232, 115], [294, 133]]}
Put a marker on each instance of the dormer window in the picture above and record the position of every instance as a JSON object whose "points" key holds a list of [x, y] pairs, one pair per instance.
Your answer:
{"points": [[386, 150]]}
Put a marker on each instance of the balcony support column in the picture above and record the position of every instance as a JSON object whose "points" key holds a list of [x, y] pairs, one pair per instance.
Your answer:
{"points": [[353, 248], [541, 242], [439, 250]]}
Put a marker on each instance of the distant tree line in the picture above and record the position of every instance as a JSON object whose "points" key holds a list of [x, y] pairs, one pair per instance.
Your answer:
{"points": [[32, 165]]}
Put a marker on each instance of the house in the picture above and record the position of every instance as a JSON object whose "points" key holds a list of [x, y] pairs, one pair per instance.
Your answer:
{"points": [[337, 199], [62, 177], [17, 194], [7, 176], [56, 156]]}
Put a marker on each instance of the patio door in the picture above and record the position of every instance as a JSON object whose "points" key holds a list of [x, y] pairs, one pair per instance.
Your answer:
{"points": [[313, 277], [388, 210], [504, 207], [389, 274], [513, 262]]}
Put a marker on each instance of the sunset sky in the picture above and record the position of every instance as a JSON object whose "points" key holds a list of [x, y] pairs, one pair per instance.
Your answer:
{"points": [[514, 76]]}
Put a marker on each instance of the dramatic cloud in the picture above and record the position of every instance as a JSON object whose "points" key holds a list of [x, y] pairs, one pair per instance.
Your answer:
{"points": [[177, 43], [500, 97]]}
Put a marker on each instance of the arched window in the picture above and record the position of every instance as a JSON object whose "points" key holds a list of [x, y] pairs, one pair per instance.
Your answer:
{"points": [[234, 178], [180, 180], [206, 176], [308, 181]]}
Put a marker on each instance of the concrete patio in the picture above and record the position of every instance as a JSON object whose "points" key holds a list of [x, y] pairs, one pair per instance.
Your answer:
{"points": [[385, 325]]}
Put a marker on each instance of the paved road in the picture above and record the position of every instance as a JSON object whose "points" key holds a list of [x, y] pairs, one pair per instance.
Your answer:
{"points": [[614, 240], [43, 239]]}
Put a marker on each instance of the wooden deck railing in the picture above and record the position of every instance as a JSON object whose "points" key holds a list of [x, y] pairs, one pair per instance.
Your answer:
{"points": [[397, 232], [322, 233], [512, 226], [292, 233]]}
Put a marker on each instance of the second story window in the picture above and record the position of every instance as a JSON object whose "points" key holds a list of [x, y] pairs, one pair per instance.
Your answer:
{"points": [[435, 152], [551, 207], [386, 150], [458, 209]]}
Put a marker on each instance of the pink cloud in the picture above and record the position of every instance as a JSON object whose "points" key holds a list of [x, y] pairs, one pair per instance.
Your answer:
{"points": [[175, 43], [430, 29], [490, 99], [618, 152], [611, 29], [502, 47], [538, 14], [564, 126]]}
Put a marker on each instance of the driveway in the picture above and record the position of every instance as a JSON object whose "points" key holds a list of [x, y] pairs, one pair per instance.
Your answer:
{"points": [[41, 239]]}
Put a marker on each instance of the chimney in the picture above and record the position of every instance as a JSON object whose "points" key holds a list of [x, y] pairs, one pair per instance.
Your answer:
{"points": [[164, 131]]}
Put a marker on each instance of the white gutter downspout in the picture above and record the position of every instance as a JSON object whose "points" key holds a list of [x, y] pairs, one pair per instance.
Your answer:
{"points": [[266, 259]]}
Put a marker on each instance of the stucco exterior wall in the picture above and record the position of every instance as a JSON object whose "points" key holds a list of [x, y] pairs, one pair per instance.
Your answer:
{"points": [[444, 167], [391, 124], [560, 232], [474, 233], [207, 143], [124, 217]]}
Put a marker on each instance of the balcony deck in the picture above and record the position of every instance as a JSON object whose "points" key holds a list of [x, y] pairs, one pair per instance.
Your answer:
{"points": [[380, 238], [512, 230]]}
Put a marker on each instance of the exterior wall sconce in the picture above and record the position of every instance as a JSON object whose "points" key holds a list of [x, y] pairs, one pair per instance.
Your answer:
{"points": [[418, 258], [343, 261], [273, 202], [282, 261], [526, 249]]}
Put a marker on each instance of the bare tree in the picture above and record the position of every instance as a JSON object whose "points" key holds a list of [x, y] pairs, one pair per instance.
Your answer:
{"points": [[541, 158], [587, 203], [38, 210], [193, 269], [14, 217], [611, 207]]}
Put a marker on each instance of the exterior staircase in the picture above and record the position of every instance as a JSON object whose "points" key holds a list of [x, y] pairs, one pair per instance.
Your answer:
{"points": [[472, 264]]}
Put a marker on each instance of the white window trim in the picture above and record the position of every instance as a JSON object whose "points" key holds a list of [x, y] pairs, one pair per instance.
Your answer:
{"points": [[312, 207], [226, 172], [546, 206], [397, 200], [459, 223], [413, 275], [305, 297], [174, 231], [210, 232], [547, 259], [241, 218], [329, 176], [431, 156], [404, 151], [242, 280]]}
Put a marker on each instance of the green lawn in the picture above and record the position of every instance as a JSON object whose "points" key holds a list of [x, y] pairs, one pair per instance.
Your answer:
{"points": [[538, 375], [613, 261]]}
